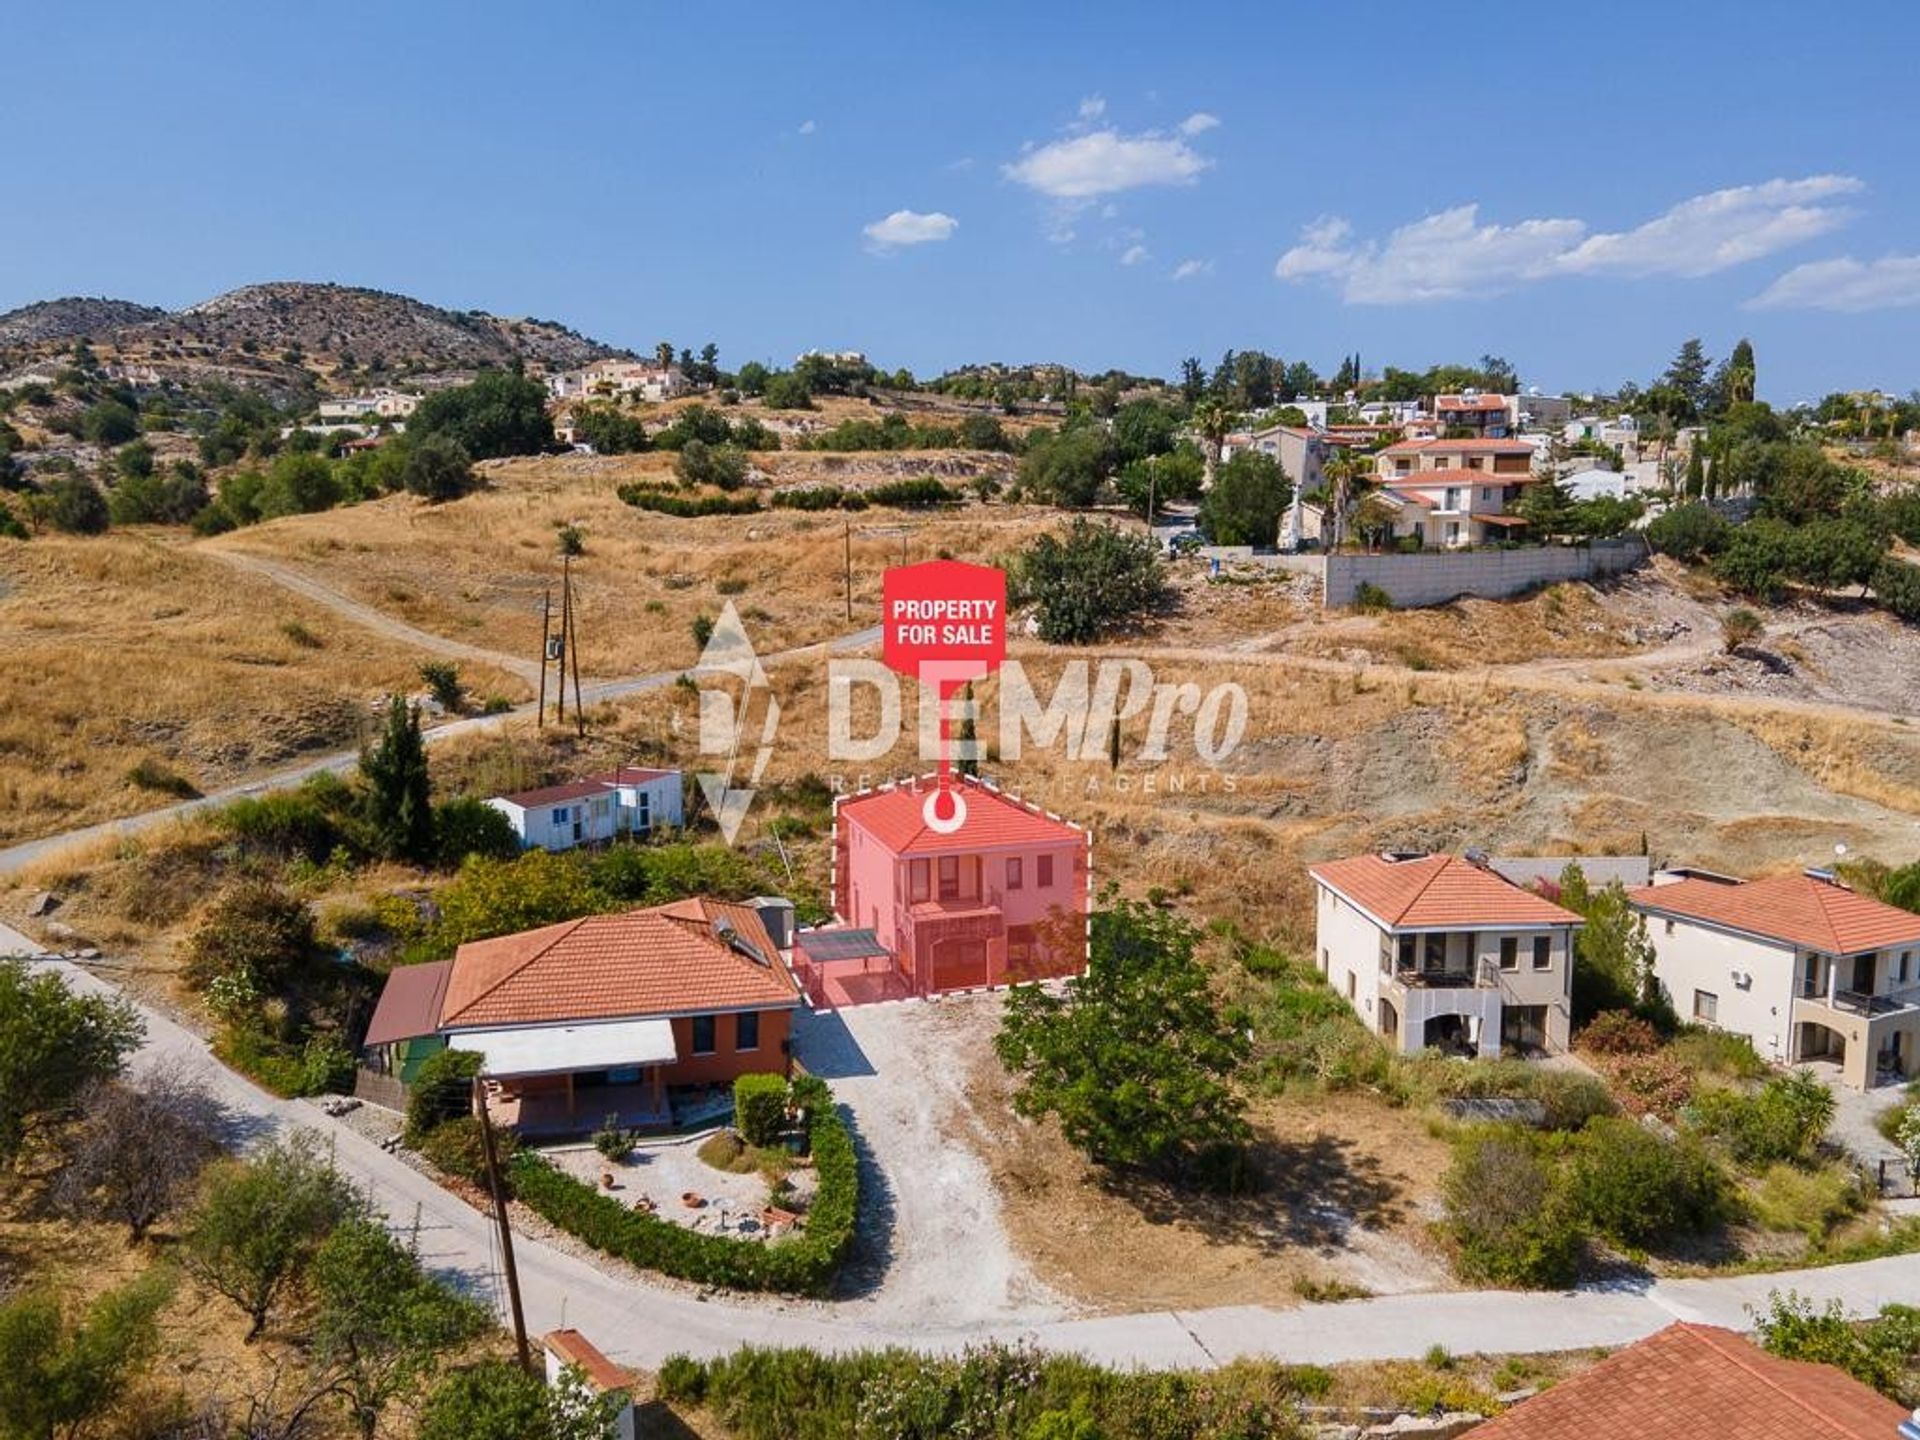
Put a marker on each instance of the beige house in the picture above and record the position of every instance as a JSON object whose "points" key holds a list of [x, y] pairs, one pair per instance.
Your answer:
{"points": [[1455, 492], [1805, 967], [1439, 951]]}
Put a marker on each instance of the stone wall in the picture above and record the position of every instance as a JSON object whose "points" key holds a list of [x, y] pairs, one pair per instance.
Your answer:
{"points": [[1433, 577]]}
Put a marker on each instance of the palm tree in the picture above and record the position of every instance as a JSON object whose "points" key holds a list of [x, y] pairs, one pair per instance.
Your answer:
{"points": [[1349, 476], [1213, 420]]}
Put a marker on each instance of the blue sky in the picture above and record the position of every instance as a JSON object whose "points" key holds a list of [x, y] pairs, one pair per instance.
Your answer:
{"points": [[1576, 188]]}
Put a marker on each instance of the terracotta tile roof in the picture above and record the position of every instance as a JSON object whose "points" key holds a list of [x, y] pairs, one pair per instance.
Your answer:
{"points": [[1795, 909], [1697, 1380], [1444, 447], [893, 816], [1437, 892], [573, 1348], [1475, 405], [666, 960], [585, 787]]}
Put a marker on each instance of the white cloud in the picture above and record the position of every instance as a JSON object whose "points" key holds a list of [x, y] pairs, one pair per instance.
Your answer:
{"points": [[1198, 123], [909, 227], [1105, 162], [1847, 285], [1451, 254], [1726, 227], [1092, 108], [807, 127], [1190, 269], [1133, 255]]}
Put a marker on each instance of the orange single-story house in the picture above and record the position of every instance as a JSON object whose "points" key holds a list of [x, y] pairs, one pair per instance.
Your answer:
{"points": [[637, 1014]]}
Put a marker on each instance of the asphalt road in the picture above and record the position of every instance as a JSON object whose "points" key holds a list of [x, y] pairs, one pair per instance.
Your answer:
{"points": [[27, 852], [642, 1324]]}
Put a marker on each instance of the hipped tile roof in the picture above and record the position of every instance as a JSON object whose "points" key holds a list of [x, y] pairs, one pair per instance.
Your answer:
{"points": [[1691, 1381], [1800, 910], [894, 816], [670, 959], [1437, 892]]}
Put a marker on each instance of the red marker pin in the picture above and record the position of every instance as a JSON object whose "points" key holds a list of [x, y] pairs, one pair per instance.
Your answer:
{"points": [[944, 624]]}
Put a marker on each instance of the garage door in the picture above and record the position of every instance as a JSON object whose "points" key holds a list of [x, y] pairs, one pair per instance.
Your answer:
{"points": [[959, 964]]}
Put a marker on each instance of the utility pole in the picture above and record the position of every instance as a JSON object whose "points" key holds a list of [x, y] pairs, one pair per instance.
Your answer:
{"points": [[546, 625], [506, 1226], [573, 651]]}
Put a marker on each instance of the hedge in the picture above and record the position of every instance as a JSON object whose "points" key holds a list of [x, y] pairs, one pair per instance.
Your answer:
{"points": [[688, 507], [759, 1107], [802, 1264]]}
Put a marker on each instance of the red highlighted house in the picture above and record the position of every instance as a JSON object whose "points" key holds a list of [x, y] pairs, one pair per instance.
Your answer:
{"points": [[1001, 899]]}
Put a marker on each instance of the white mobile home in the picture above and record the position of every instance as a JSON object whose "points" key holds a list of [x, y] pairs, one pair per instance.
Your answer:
{"points": [[629, 801]]}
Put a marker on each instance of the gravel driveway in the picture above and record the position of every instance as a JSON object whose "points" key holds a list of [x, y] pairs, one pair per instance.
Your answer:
{"points": [[933, 1248]]}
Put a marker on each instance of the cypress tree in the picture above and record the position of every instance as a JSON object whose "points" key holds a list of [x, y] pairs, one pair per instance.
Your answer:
{"points": [[399, 803]]}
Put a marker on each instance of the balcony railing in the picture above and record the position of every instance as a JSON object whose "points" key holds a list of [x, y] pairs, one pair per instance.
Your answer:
{"points": [[1436, 979], [1859, 1002]]}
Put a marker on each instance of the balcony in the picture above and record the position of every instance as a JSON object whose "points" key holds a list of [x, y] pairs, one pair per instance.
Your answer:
{"points": [[1859, 1002], [1442, 979]]}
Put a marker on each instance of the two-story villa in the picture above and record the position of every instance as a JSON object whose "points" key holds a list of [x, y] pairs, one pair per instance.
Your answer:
{"points": [[1001, 898], [1439, 951], [1455, 492], [1807, 968], [1489, 417]]}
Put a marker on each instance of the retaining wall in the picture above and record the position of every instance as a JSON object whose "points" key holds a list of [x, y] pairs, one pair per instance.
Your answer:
{"points": [[1433, 577]]}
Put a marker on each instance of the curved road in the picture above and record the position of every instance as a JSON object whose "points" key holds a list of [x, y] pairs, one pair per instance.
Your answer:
{"points": [[642, 1324]]}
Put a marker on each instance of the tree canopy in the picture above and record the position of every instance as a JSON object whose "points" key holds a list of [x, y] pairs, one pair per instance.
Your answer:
{"points": [[1088, 581], [54, 1043], [499, 413]]}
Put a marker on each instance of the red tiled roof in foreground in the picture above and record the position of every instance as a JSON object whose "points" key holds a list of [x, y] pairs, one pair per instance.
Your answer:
{"points": [[573, 1348], [1438, 892], [1690, 1381], [1794, 909], [894, 816], [667, 960]]}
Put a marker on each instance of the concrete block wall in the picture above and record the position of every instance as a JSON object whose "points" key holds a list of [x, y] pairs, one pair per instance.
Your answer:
{"points": [[1433, 577]]}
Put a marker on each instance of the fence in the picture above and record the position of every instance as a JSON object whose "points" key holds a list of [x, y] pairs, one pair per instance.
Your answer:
{"points": [[1433, 577]]}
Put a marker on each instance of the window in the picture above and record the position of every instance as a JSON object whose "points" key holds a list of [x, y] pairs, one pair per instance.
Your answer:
{"points": [[949, 877], [1542, 952], [917, 880], [1706, 1007], [746, 1031], [1453, 499], [1435, 957], [1486, 494], [703, 1034], [1013, 872], [643, 812], [1350, 985], [560, 815], [1406, 952], [1043, 871], [1900, 967], [1510, 952]]}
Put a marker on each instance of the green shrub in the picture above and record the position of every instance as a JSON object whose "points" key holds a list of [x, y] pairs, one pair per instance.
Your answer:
{"points": [[1509, 1211], [152, 775], [801, 1264], [922, 493], [320, 1066], [760, 1107], [819, 497], [309, 823], [1785, 1119], [612, 1139], [466, 826], [1717, 1052], [687, 507], [1688, 532], [456, 1147], [254, 928], [442, 1090], [1371, 599], [1641, 1189], [1809, 1202]]}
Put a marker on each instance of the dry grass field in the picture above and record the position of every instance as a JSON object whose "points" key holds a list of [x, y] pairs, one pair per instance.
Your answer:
{"points": [[476, 570], [129, 649]]}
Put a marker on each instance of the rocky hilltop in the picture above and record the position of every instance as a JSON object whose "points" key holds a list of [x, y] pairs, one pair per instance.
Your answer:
{"points": [[71, 318], [290, 332]]}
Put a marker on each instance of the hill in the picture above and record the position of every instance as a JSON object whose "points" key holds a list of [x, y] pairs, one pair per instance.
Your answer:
{"points": [[72, 317], [293, 332]]}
